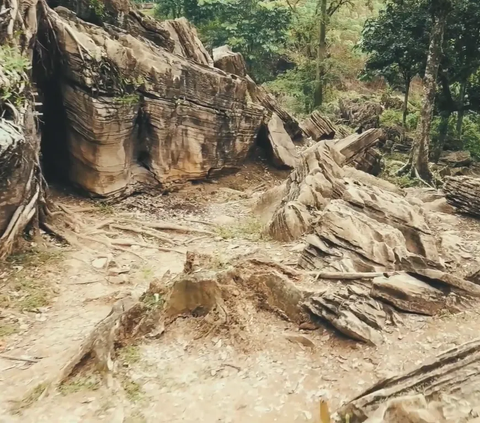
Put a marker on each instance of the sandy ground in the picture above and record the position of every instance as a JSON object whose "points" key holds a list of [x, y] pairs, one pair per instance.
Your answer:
{"points": [[256, 375]]}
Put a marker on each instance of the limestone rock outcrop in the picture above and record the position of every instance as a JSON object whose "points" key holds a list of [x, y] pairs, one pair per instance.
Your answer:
{"points": [[131, 104]]}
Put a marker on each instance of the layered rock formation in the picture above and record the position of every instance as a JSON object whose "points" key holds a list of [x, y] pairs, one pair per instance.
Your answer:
{"points": [[367, 235], [463, 193], [132, 104]]}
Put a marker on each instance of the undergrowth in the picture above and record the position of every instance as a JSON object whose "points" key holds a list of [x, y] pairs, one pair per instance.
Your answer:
{"points": [[250, 229], [80, 383], [27, 283], [29, 399], [13, 76]]}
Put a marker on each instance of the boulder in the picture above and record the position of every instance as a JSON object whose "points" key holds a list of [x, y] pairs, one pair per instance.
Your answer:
{"points": [[315, 180], [463, 193], [319, 127], [186, 41], [261, 96], [456, 158], [283, 150], [359, 152], [360, 114], [151, 109], [437, 382], [230, 62], [20, 188]]}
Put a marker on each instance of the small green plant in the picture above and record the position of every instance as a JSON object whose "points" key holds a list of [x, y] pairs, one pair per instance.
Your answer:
{"points": [[13, 69], [136, 417], [105, 208], [33, 295], [152, 301], [391, 117], [129, 354], [251, 229], [80, 383], [97, 8], [132, 389], [29, 399], [7, 329], [128, 99], [147, 273]]}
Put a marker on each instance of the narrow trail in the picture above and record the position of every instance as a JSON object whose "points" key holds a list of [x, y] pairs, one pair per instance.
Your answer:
{"points": [[269, 370]]}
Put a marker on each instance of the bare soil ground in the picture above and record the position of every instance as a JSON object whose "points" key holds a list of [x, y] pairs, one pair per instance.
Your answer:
{"points": [[52, 296]]}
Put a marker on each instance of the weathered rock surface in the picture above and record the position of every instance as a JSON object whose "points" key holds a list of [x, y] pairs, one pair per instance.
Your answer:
{"points": [[360, 114], [153, 109], [369, 236], [234, 63], [456, 158], [319, 127], [308, 188], [230, 62], [463, 193], [186, 41], [359, 152], [283, 150], [450, 380]]}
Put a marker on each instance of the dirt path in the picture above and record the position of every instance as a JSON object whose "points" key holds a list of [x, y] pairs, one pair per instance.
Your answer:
{"points": [[255, 375]]}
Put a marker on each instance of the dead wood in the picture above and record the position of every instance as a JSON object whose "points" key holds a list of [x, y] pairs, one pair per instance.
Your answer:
{"points": [[169, 227], [143, 232], [127, 243], [454, 371], [349, 275], [463, 193]]}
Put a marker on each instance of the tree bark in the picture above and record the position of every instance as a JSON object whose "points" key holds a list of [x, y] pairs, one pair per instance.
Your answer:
{"points": [[442, 135], [417, 165], [405, 104], [321, 52], [461, 109], [21, 181]]}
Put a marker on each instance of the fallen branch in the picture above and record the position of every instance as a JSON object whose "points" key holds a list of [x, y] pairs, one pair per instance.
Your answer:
{"points": [[174, 227], [350, 275], [26, 360], [141, 244], [142, 232]]}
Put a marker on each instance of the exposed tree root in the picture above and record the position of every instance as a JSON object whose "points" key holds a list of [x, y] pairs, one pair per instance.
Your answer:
{"points": [[143, 232]]}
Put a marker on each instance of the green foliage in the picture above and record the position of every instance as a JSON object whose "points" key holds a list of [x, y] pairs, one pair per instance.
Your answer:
{"points": [[397, 42], [392, 117], [250, 229], [152, 301], [13, 76], [471, 134], [97, 7], [255, 28]]}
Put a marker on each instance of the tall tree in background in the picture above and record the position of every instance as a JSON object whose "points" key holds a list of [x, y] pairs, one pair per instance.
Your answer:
{"points": [[417, 164], [324, 12], [397, 43]]}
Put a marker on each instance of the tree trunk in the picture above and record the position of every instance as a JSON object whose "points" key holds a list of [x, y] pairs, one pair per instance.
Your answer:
{"points": [[442, 135], [417, 165], [461, 109], [21, 186], [405, 106], [321, 50]]}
